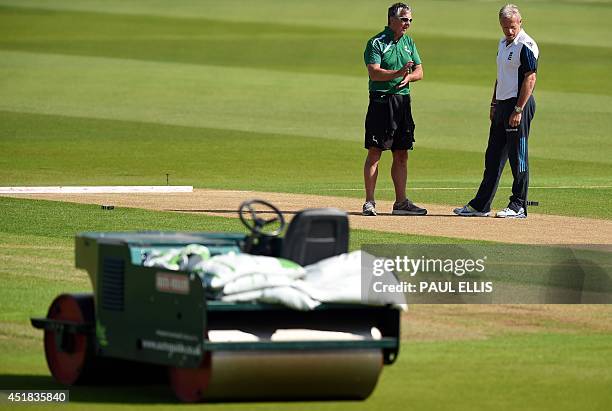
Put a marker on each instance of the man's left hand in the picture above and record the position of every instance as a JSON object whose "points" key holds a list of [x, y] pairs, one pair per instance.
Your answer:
{"points": [[515, 119], [404, 81]]}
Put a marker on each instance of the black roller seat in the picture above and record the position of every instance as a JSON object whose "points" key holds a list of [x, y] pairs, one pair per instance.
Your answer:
{"points": [[315, 234]]}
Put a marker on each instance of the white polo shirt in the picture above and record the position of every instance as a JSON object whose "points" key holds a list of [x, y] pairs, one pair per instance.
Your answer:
{"points": [[513, 61]]}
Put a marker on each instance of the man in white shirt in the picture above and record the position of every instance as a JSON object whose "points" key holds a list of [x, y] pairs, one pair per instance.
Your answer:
{"points": [[512, 109]]}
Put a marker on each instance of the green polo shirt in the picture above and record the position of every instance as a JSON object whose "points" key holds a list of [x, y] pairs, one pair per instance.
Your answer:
{"points": [[381, 49]]}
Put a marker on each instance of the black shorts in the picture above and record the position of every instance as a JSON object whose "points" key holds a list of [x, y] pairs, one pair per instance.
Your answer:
{"points": [[389, 124]]}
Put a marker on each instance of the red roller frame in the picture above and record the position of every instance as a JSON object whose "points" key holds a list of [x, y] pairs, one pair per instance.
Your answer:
{"points": [[67, 365], [189, 384]]}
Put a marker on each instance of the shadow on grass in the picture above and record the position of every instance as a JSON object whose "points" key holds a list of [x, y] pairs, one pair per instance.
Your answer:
{"points": [[132, 394], [107, 393]]}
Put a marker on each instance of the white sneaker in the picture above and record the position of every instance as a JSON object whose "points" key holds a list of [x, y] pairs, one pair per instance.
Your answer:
{"points": [[469, 211], [510, 213], [369, 208]]}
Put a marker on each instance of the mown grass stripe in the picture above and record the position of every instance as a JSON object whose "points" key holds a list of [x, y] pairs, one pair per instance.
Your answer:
{"points": [[77, 151], [286, 47], [186, 95], [588, 18]]}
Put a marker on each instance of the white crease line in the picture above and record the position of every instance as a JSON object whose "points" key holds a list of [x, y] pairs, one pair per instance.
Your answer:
{"points": [[95, 189]]}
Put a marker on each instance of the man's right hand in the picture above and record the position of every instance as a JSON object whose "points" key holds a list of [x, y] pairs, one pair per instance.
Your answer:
{"points": [[492, 113]]}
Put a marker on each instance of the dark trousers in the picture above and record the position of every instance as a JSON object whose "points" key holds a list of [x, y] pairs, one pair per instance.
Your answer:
{"points": [[506, 143]]}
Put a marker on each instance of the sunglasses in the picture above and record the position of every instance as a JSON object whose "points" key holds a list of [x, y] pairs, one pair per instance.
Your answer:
{"points": [[405, 19]]}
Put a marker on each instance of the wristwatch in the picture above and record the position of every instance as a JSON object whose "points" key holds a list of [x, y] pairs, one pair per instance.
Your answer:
{"points": [[518, 109]]}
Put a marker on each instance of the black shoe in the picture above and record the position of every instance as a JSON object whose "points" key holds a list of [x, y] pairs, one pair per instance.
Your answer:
{"points": [[407, 207]]}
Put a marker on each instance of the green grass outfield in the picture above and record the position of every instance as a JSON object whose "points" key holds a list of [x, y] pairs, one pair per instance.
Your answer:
{"points": [[243, 95], [537, 372], [565, 365], [271, 95]]}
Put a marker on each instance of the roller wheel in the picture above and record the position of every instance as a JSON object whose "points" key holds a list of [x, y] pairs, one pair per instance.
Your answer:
{"points": [[70, 355], [189, 384]]}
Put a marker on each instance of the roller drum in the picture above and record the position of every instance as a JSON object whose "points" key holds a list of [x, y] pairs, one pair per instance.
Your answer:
{"points": [[316, 374]]}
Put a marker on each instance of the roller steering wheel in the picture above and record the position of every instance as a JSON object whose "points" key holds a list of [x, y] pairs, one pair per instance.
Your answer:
{"points": [[256, 224]]}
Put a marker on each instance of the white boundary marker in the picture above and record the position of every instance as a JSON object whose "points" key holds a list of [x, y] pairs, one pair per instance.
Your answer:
{"points": [[95, 189]]}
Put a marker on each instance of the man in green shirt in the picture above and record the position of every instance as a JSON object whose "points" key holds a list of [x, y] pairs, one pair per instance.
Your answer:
{"points": [[393, 62]]}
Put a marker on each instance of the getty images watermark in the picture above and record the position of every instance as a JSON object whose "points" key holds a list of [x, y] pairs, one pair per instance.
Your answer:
{"points": [[513, 274], [411, 266]]}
